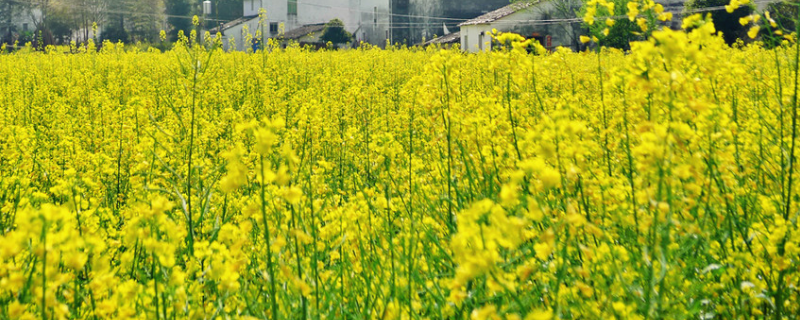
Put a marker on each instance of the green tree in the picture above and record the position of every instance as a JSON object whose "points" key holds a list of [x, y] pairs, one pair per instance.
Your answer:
{"points": [[224, 10], [146, 19], [228, 9], [179, 14], [8, 11], [632, 26], [781, 22], [334, 32], [564, 9], [114, 24], [785, 14], [61, 23], [87, 13], [725, 22], [55, 21], [38, 12], [619, 35]]}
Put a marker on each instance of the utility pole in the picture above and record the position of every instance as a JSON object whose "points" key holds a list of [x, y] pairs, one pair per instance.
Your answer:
{"points": [[207, 8], [206, 13]]}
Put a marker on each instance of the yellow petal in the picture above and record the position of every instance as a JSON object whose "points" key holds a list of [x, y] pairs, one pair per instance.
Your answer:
{"points": [[753, 32]]}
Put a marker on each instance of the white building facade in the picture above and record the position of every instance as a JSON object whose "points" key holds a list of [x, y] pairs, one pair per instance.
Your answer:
{"points": [[517, 18], [368, 20], [21, 24]]}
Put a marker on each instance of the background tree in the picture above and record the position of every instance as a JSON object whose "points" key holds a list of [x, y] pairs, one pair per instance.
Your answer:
{"points": [[781, 22], [227, 9], [61, 23], [334, 32], [179, 14], [604, 22], [38, 13], [619, 36], [725, 22], [785, 14], [53, 20], [565, 9], [7, 15], [146, 19], [224, 10], [617, 24], [116, 16], [84, 14]]}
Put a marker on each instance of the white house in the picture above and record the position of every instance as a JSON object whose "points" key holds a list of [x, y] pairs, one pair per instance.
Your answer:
{"points": [[368, 20], [19, 22], [526, 19], [235, 32]]}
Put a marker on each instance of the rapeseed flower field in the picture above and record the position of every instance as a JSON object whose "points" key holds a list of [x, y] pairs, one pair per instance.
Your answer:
{"points": [[402, 183]]}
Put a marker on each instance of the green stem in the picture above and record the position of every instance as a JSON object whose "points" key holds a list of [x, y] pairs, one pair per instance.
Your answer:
{"points": [[191, 151], [272, 280], [44, 269]]}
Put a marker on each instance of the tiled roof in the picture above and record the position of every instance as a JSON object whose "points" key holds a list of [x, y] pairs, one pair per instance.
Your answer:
{"points": [[500, 13], [303, 31], [450, 38], [233, 23]]}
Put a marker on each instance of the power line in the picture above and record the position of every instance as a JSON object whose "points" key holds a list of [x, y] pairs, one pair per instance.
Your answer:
{"points": [[389, 13], [219, 20], [572, 20], [529, 21], [400, 25], [403, 25], [125, 12]]}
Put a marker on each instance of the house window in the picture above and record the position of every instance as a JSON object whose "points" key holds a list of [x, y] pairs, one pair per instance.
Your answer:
{"points": [[24, 27], [292, 7], [375, 15], [252, 5], [273, 27]]}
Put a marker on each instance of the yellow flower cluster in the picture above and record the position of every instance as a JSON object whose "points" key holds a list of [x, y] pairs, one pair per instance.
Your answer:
{"points": [[735, 4], [402, 183]]}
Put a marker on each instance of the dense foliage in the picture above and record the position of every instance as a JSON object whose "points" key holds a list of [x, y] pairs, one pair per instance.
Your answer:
{"points": [[401, 183], [335, 32], [725, 22]]}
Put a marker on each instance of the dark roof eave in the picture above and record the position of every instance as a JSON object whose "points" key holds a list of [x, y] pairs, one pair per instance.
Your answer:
{"points": [[454, 37], [474, 24], [233, 23], [303, 31], [498, 14]]}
